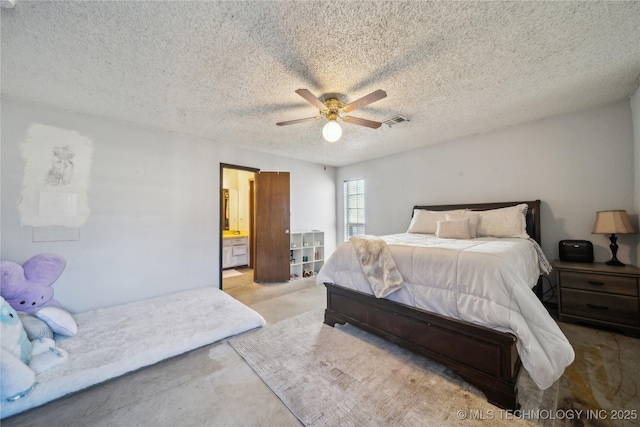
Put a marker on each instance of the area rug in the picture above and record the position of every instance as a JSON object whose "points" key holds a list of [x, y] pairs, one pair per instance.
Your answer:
{"points": [[115, 340], [230, 273], [344, 376]]}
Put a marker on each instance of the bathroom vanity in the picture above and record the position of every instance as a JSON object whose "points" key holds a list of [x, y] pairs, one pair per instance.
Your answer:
{"points": [[235, 249]]}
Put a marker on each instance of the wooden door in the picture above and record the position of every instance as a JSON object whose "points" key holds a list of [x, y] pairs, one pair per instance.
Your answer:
{"points": [[272, 227], [252, 222]]}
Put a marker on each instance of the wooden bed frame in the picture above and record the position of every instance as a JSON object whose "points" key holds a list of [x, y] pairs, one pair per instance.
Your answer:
{"points": [[483, 357]]}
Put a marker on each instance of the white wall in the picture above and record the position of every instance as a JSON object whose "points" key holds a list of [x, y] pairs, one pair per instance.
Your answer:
{"points": [[635, 109], [576, 164], [155, 213]]}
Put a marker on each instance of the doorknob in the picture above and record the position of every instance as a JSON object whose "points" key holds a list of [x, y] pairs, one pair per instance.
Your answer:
{"points": [[286, 231]]}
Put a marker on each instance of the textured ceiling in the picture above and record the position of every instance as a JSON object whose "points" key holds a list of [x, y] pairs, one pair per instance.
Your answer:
{"points": [[227, 71]]}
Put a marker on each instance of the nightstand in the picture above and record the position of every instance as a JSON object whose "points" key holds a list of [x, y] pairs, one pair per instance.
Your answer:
{"points": [[599, 294]]}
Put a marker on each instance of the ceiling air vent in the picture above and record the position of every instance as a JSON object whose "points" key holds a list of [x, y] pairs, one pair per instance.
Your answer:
{"points": [[395, 120]]}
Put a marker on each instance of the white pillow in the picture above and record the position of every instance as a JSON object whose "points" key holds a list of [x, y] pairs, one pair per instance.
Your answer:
{"points": [[474, 218], [426, 222], [60, 321], [454, 229], [504, 222]]}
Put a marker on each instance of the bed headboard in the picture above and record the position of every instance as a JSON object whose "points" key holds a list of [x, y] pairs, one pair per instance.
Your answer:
{"points": [[533, 213]]}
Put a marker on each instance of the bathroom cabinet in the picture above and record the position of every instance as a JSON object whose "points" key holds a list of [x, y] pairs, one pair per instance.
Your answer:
{"points": [[235, 252]]}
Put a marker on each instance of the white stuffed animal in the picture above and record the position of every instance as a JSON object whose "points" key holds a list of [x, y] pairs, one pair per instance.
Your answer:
{"points": [[22, 359]]}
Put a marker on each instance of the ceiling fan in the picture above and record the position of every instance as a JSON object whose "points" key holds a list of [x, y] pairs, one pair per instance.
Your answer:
{"points": [[332, 109]]}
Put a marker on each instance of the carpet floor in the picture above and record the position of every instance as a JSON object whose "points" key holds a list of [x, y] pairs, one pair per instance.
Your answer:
{"points": [[344, 376]]}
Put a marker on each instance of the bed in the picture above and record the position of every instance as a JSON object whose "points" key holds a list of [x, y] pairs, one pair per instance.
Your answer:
{"points": [[480, 344]]}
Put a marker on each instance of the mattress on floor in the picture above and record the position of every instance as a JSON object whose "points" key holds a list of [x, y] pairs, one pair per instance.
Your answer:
{"points": [[116, 340]]}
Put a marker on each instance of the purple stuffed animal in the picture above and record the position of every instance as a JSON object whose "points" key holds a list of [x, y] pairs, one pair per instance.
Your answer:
{"points": [[27, 287]]}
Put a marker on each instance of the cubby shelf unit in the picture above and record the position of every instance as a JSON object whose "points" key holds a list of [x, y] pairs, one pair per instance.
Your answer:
{"points": [[307, 253]]}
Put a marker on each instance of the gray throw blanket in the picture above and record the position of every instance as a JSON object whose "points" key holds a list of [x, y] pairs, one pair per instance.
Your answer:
{"points": [[377, 264]]}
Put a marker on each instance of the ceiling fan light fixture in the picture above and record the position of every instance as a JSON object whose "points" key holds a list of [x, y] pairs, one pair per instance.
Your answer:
{"points": [[332, 109], [332, 131]]}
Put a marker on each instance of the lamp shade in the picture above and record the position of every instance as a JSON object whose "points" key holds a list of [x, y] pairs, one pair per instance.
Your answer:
{"points": [[612, 222], [332, 131]]}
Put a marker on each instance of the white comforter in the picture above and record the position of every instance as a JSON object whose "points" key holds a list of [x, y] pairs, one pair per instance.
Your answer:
{"points": [[485, 281]]}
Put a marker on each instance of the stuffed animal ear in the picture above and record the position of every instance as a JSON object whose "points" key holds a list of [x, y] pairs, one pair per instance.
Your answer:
{"points": [[44, 269], [12, 280]]}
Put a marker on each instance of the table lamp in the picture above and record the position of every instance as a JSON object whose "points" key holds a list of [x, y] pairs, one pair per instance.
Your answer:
{"points": [[613, 222]]}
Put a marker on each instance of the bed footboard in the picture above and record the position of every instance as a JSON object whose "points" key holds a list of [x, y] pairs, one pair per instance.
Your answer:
{"points": [[483, 357]]}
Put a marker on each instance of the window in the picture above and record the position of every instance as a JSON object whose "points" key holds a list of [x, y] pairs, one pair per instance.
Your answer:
{"points": [[353, 208]]}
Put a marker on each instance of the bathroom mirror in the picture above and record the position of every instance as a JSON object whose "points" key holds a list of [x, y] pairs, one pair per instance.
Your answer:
{"points": [[230, 209], [225, 208]]}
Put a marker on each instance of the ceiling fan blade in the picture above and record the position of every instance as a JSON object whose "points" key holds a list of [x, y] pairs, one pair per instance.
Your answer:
{"points": [[311, 98], [365, 100], [362, 122], [293, 122]]}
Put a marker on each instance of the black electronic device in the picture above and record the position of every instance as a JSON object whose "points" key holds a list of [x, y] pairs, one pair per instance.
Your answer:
{"points": [[575, 250]]}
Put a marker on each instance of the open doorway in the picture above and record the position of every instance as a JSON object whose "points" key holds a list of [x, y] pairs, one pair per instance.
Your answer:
{"points": [[237, 206], [254, 225]]}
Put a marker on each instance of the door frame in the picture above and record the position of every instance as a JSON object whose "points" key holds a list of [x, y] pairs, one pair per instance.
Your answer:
{"points": [[224, 166]]}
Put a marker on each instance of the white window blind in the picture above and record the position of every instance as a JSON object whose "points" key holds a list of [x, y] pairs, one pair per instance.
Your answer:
{"points": [[353, 208]]}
